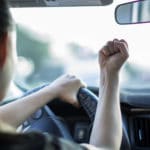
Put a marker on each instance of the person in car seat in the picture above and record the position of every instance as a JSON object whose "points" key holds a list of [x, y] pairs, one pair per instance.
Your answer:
{"points": [[107, 129]]}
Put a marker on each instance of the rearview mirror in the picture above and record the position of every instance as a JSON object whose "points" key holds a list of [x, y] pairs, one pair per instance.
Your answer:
{"points": [[133, 12]]}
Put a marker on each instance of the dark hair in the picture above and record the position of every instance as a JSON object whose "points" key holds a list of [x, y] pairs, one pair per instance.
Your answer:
{"points": [[5, 17]]}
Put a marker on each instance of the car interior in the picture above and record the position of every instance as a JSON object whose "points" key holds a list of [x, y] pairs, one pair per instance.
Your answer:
{"points": [[59, 36]]}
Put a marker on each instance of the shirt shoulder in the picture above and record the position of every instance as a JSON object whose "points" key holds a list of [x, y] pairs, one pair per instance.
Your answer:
{"points": [[38, 141], [55, 143]]}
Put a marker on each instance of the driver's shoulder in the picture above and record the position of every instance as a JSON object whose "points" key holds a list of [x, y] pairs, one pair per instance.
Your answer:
{"points": [[15, 141], [62, 144], [34, 140], [38, 141]]}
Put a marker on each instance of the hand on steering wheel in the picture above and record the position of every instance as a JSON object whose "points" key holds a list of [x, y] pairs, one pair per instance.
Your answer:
{"points": [[66, 88]]}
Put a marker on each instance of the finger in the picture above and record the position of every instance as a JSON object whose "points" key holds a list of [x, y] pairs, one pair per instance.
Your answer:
{"points": [[106, 51], [123, 49], [83, 84], [125, 45], [111, 47], [116, 40], [71, 76], [116, 48], [122, 40]]}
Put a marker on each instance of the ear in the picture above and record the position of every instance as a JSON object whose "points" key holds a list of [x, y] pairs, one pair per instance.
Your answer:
{"points": [[3, 49]]}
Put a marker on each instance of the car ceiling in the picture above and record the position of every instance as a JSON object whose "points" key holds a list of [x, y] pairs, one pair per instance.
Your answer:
{"points": [[58, 3]]}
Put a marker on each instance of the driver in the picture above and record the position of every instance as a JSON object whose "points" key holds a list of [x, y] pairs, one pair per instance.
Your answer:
{"points": [[108, 116]]}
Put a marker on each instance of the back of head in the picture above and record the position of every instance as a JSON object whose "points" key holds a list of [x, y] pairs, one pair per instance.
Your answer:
{"points": [[5, 17], [6, 48]]}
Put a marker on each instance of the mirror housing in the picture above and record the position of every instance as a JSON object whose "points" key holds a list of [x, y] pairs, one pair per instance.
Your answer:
{"points": [[133, 12]]}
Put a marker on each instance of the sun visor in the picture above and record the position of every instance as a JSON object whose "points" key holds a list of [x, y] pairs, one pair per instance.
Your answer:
{"points": [[58, 3]]}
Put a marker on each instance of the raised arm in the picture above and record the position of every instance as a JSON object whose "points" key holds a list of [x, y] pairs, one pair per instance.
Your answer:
{"points": [[107, 129], [65, 88]]}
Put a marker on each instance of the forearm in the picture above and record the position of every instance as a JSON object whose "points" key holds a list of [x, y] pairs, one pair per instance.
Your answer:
{"points": [[16, 112], [65, 88], [107, 129]]}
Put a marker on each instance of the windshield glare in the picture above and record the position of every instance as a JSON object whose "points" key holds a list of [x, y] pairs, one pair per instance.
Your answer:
{"points": [[55, 41]]}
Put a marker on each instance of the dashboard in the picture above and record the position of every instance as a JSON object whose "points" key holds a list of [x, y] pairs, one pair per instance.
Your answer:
{"points": [[135, 106]]}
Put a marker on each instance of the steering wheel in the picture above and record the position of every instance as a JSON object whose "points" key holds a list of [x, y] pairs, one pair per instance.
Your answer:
{"points": [[50, 123]]}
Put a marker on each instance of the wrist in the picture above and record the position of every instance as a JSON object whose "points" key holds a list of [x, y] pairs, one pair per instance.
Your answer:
{"points": [[52, 91], [112, 77], [110, 89], [109, 78]]}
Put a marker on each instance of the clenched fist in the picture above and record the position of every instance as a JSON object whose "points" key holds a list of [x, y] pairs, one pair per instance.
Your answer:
{"points": [[112, 57]]}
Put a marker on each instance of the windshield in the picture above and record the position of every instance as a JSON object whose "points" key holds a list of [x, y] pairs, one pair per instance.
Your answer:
{"points": [[55, 41]]}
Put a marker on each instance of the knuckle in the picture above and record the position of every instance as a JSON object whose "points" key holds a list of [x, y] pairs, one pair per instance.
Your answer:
{"points": [[78, 81], [115, 39], [109, 43], [106, 48], [123, 42]]}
